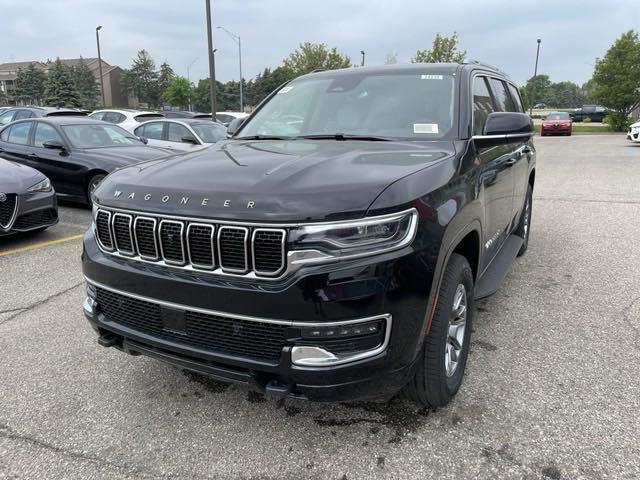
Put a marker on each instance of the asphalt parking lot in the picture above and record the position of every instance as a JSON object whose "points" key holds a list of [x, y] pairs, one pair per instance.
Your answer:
{"points": [[551, 388]]}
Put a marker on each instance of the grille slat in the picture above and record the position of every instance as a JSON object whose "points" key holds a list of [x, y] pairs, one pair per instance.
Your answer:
{"points": [[8, 209], [220, 249]]}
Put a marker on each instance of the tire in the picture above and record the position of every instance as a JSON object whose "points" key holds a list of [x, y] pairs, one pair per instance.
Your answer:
{"points": [[437, 379], [524, 226], [92, 184]]}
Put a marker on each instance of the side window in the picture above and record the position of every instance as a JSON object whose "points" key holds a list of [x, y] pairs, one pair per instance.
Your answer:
{"points": [[44, 133], [515, 97], [482, 104], [501, 96], [97, 116], [151, 130], [4, 136], [113, 117], [7, 117], [176, 132], [22, 114], [20, 133]]}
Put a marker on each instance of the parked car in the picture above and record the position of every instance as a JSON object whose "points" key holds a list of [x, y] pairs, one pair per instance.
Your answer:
{"points": [[595, 113], [556, 123], [2, 109], [184, 114], [634, 132], [540, 105], [74, 153], [127, 119], [225, 118], [20, 113], [330, 259], [27, 199], [186, 134]]}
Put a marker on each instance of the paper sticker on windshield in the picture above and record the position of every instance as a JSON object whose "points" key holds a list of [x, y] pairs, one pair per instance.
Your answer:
{"points": [[431, 77], [285, 89], [425, 128]]}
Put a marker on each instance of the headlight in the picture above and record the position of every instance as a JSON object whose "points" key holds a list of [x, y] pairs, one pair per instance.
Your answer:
{"points": [[42, 186], [357, 238]]}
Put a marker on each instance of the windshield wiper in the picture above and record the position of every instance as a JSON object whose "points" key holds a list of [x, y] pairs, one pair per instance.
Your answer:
{"points": [[263, 137], [343, 137]]}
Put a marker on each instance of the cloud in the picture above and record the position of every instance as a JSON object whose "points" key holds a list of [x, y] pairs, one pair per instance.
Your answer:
{"points": [[502, 33]]}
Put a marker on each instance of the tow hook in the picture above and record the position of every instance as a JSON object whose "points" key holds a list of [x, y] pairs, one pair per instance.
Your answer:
{"points": [[107, 340]]}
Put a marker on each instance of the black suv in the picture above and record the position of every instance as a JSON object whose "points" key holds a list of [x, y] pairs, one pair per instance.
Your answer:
{"points": [[333, 248]]}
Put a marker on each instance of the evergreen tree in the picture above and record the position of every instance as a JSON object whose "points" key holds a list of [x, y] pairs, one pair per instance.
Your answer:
{"points": [[59, 87], [86, 85], [141, 79], [164, 77], [30, 84]]}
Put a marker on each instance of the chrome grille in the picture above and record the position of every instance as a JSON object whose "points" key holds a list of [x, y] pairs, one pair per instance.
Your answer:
{"points": [[8, 208], [194, 245]]}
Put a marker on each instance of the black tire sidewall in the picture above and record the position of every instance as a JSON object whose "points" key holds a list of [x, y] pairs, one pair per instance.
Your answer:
{"points": [[520, 230]]}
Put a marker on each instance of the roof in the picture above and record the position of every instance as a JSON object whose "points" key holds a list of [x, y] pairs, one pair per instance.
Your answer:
{"points": [[12, 66], [75, 61], [71, 120]]}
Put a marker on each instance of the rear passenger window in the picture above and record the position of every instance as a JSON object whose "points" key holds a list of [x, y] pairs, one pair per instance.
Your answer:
{"points": [[515, 96], [19, 133], [97, 116], [177, 131], [45, 133], [482, 104], [113, 117], [501, 96]]}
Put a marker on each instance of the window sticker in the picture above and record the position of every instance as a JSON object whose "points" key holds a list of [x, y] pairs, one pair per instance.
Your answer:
{"points": [[431, 77], [286, 89], [425, 128]]}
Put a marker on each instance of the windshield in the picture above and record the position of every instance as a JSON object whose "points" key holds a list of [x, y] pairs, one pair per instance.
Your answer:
{"points": [[558, 116], [96, 136], [399, 105], [210, 132]]}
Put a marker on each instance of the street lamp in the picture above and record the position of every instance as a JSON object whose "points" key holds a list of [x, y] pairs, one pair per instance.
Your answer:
{"points": [[535, 74], [189, 79], [362, 62], [98, 28], [237, 39]]}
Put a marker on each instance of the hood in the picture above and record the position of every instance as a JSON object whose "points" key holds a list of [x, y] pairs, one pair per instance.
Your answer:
{"points": [[270, 180], [130, 154], [16, 178]]}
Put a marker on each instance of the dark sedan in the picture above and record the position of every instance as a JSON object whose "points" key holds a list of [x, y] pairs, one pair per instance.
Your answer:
{"points": [[75, 153], [27, 199], [22, 113]]}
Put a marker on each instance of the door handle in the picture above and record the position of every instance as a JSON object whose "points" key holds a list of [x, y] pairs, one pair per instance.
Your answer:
{"points": [[33, 155], [511, 162]]}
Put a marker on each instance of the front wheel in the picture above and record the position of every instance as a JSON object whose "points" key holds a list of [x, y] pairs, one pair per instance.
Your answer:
{"points": [[444, 355], [93, 183]]}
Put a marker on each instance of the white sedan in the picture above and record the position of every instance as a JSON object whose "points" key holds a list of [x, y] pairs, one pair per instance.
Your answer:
{"points": [[226, 118], [184, 134], [127, 119], [634, 132]]}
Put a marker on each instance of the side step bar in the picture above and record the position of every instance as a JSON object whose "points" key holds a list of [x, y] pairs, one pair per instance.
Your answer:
{"points": [[493, 276]]}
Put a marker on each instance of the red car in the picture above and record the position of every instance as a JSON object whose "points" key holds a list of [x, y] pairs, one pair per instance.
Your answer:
{"points": [[556, 123]]}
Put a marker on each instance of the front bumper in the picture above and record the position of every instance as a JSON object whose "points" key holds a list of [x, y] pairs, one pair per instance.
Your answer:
{"points": [[387, 286], [34, 211]]}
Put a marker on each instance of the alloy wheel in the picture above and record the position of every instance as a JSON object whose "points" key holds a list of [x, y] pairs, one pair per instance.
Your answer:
{"points": [[456, 331]]}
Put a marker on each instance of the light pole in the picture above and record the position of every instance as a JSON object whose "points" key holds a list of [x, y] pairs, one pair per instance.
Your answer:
{"points": [[189, 79], [362, 62], [237, 39], [212, 68], [98, 28], [535, 74]]}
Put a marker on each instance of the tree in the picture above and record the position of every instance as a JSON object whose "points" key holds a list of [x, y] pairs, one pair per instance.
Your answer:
{"points": [[59, 87], [444, 49], [30, 84], [617, 79], [141, 79], [85, 85], [200, 97], [390, 58], [165, 75], [312, 56], [265, 83], [537, 89], [178, 92]]}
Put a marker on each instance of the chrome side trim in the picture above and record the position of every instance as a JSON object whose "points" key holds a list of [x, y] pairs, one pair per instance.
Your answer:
{"points": [[503, 136], [172, 262], [282, 250], [155, 238], [211, 241], [12, 220], [114, 237], [246, 247]]}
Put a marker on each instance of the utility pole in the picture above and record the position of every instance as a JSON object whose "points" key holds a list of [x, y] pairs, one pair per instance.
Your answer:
{"points": [[98, 28], [535, 74], [362, 61], [212, 68], [239, 40]]}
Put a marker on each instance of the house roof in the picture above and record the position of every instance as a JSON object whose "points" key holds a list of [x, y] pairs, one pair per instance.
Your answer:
{"points": [[13, 66], [75, 61]]}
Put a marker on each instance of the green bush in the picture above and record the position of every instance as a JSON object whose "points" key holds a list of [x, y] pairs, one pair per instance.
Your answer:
{"points": [[619, 121]]}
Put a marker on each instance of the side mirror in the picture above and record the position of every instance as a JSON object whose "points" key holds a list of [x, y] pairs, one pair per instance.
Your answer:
{"points": [[54, 145], [508, 123], [143, 140], [189, 139], [234, 126]]}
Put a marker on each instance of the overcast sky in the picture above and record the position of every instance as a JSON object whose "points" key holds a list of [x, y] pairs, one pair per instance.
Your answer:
{"points": [[500, 32]]}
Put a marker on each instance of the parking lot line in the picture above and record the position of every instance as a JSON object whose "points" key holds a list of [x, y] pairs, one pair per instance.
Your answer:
{"points": [[40, 245]]}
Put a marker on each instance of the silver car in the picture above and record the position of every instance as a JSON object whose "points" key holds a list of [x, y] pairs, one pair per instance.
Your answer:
{"points": [[184, 134]]}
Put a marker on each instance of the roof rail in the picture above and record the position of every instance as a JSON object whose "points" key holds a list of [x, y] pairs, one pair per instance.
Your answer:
{"points": [[318, 70], [483, 64]]}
